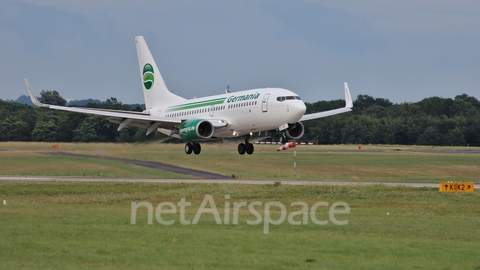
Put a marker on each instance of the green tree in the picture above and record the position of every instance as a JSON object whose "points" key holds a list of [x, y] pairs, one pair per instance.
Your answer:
{"points": [[469, 99], [46, 129], [95, 129], [471, 131], [128, 135], [436, 106], [365, 101], [12, 129], [431, 136], [85, 132], [19, 131], [464, 108], [358, 130], [52, 97], [454, 137]]}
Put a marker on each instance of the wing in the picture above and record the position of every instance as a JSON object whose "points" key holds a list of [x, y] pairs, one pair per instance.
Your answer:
{"points": [[123, 118], [348, 107]]}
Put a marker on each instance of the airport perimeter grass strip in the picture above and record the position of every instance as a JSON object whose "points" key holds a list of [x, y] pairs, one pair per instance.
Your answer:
{"points": [[88, 225], [37, 164], [314, 163]]}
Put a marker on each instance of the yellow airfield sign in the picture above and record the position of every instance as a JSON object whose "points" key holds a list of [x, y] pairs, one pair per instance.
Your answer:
{"points": [[456, 187]]}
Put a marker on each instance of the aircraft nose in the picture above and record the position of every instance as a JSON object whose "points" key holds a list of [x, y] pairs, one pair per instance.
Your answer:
{"points": [[298, 109]]}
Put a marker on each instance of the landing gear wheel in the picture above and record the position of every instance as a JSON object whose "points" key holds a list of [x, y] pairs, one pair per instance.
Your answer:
{"points": [[188, 148], [242, 148], [197, 148], [250, 148]]}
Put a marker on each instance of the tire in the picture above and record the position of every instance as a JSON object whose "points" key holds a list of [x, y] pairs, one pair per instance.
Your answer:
{"points": [[188, 148], [197, 148], [242, 148], [250, 148]]}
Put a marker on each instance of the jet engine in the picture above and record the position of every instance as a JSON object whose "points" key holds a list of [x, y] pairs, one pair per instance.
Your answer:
{"points": [[295, 131], [197, 129]]}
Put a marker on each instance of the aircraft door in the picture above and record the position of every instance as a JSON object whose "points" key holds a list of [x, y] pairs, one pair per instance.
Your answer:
{"points": [[211, 111], [265, 103]]}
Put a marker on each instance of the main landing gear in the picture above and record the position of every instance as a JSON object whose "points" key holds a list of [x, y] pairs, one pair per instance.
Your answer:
{"points": [[193, 147], [245, 147]]}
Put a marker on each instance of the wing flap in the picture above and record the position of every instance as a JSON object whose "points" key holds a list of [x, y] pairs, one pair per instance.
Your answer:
{"points": [[141, 123]]}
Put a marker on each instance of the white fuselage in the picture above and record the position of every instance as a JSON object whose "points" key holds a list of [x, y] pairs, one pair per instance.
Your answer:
{"points": [[246, 112]]}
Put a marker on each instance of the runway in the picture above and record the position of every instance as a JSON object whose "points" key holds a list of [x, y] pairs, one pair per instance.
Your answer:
{"points": [[217, 181], [203, 176], [148, 164]]}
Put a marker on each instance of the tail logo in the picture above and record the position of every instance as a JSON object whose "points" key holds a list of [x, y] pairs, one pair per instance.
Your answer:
{"points": [[148, 77]]}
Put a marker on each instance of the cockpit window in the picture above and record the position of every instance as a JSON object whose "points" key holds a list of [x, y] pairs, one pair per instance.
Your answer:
{"points": [[281, 99]]}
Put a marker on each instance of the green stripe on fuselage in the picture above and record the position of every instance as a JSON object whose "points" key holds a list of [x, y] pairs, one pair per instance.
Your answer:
{"points": [[195, 105]]}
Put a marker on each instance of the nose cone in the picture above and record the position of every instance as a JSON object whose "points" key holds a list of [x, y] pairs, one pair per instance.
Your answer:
{"points": [[297, 110]]}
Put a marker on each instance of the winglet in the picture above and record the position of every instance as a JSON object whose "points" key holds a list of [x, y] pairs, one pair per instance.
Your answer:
{"points": [[348, 97], [33, 97]]}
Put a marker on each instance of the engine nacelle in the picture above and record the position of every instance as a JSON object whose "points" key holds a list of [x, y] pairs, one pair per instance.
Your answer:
{"points": [[197, 129], [295, 131]]}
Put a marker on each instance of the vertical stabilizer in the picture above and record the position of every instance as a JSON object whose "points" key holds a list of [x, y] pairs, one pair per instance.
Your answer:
{"points": [[155, 91]]}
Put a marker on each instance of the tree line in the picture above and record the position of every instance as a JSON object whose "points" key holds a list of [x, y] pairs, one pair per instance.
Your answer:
{"points": [[21, 122], [431, 121]]}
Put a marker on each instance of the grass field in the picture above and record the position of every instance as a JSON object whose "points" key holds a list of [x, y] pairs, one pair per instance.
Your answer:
{"points": [[70, 225], [35, 164], [375, 163], [80, 225]]}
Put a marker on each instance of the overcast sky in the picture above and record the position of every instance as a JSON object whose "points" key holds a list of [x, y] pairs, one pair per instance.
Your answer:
{"points": [[400, 50]]}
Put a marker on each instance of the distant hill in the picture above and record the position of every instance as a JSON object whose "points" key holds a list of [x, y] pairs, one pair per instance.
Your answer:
{"points": [[24, 99]]}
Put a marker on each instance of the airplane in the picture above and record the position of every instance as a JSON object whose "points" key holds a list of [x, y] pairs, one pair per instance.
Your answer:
{"points": [[272, 112]]}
